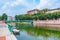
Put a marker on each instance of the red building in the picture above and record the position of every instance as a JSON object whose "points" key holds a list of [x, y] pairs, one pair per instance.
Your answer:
{"points": [[33, 11]]}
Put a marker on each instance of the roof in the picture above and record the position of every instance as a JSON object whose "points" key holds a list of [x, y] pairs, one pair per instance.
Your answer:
{"points": [[34, 10], [54, 9]]}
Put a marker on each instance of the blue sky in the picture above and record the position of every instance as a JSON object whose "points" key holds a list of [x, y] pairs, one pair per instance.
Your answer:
{"points": [[16, 7]]}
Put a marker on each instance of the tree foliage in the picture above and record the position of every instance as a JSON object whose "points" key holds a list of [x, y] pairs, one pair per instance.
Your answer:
{"points": [[39, 15], [4, 16], [0, 18]]}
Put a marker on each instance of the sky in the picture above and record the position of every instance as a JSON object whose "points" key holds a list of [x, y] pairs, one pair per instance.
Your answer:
{"points": [[17, 7]]}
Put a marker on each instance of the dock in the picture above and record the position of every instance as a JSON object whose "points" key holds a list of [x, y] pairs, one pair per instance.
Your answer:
{"points": [[5, 34]]}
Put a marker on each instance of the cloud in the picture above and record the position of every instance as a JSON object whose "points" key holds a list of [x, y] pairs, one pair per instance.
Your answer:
{"points": [[14, 3], [17, 2], [42, 4], [5, 5], [48, 4], [6, 8], [22, 6]]}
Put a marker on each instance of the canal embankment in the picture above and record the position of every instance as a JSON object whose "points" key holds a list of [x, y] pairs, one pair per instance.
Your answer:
{"points": [[47, 23], [4, 32]]}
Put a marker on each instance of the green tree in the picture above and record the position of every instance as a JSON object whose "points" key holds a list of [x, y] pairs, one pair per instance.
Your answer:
{"points": [[17, 17], [45, 10], [0, 18], [4, 17]]}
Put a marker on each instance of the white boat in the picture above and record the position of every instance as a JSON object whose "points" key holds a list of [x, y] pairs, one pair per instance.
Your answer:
{"points": [[16, 31]]}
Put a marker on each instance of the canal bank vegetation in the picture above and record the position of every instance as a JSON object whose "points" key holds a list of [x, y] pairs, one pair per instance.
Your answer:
{"points": [[39, 16]]}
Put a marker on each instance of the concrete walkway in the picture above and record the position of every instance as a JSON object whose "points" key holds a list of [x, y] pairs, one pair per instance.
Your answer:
{"points": [[5, 33]]}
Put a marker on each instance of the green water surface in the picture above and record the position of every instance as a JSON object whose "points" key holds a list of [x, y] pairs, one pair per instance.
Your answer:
{"points": [[29, 32]]}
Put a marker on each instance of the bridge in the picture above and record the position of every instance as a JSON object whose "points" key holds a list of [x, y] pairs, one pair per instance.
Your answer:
{"points": [[20, 21]]}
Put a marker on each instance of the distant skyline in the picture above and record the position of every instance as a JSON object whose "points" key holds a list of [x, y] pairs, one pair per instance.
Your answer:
{"points": [[16, 7]]}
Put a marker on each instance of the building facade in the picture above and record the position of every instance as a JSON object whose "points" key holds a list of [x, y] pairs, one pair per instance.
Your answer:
{"points": [[44, 11], [33, 11], [53, 10], [10, 18]]}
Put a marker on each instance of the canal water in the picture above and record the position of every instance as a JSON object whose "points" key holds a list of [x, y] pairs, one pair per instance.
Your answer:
{"points": [[29, 32]]}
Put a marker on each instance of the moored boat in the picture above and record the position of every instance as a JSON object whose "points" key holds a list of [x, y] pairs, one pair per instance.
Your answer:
{"points": [[16, 31]]}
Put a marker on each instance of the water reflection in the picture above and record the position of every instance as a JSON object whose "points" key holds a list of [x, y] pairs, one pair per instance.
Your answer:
{"points": [[28, 32], [25, 36]]}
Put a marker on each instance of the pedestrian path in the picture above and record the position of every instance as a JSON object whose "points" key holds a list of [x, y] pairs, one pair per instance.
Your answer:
{"points": [[2, 38], [5, 34]]}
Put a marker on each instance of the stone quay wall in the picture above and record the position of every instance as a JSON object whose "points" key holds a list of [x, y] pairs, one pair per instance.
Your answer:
{"points": [[51, 23]]}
